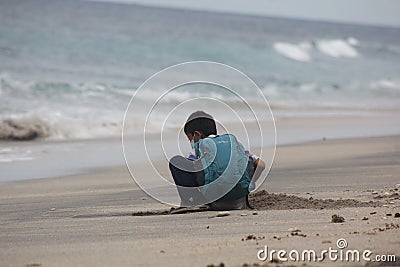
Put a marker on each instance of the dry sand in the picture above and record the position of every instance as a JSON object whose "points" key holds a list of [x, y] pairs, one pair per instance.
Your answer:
{"points": [[86, 220]]}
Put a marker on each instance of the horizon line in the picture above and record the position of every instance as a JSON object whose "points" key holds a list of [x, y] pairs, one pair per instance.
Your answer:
{"points": [[250, 14]]}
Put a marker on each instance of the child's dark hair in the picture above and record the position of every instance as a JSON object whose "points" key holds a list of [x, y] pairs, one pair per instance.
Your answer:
{"points": [[202, 122]]}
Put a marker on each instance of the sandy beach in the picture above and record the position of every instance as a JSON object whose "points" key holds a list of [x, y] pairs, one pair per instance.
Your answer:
{"points": [[86, 220]]}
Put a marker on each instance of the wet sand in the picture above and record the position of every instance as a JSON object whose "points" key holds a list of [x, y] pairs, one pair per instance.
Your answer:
{"points": [[86, 220]]}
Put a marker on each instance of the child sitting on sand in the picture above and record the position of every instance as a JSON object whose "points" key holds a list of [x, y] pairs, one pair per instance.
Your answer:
{"points": [[219, 164]]}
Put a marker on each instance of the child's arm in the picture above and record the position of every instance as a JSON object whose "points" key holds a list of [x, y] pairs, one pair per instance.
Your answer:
{"points": [[259, 168]]}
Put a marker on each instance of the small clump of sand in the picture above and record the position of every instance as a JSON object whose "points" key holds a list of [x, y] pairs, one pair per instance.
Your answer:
{"points": [[262, 200]]}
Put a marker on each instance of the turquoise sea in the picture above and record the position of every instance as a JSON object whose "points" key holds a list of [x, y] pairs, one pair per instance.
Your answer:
{"points": [[70, 67]]}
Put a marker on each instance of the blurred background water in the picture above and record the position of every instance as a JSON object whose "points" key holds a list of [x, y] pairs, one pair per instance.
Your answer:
{"points": [[70, 67]]}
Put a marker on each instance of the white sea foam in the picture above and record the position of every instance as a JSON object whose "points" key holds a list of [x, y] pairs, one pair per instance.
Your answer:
{"points": [[10, 154], [298, 52], [353, 41], [332, 47], [338, 48], [40, 125], [60, 110], [386, 84]]}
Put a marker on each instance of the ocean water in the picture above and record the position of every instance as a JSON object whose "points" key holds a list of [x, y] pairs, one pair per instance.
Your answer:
{"points": [[68, 68]]}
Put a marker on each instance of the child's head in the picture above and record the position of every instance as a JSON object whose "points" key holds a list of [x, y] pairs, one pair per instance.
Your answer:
{"points": [[199, 125]]}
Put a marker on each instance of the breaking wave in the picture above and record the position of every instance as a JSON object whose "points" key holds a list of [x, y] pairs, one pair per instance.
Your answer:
{"points": [[24, 129], [299, 52], [33, 110], [31, 126], [337, 48]]}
